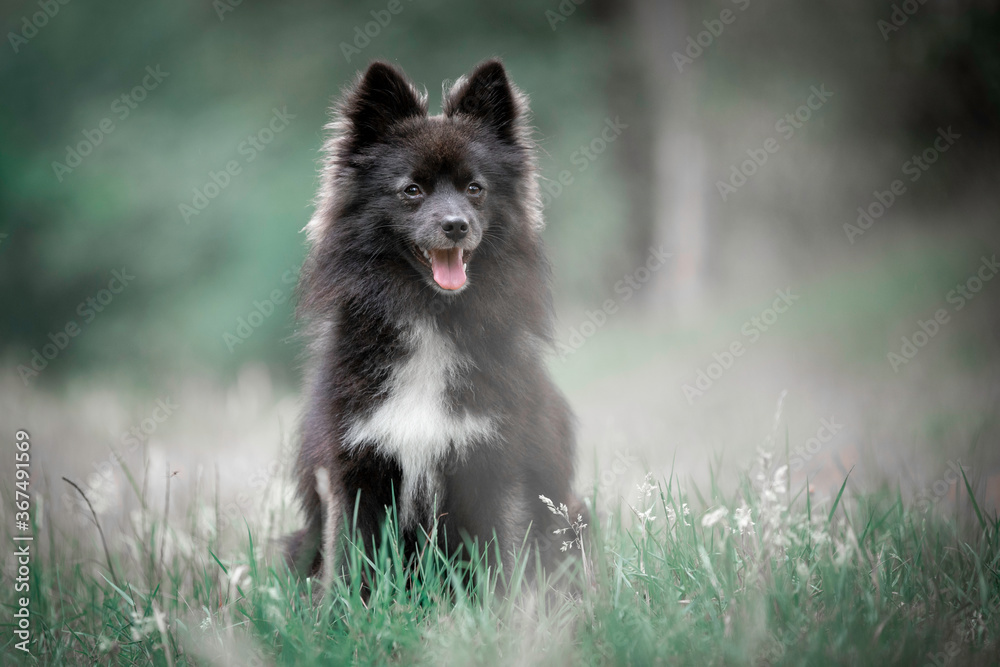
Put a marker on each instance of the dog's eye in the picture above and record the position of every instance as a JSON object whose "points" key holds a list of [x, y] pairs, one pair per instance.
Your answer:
{"points": [[474, 189], [412, 190]]}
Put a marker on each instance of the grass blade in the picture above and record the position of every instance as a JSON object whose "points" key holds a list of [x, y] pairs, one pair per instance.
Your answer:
{"points": [[839, 494], [125, 596], [975, 505]]}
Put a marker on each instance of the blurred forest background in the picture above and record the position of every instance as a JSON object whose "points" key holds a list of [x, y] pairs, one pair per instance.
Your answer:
{"points": [[647, 106]]}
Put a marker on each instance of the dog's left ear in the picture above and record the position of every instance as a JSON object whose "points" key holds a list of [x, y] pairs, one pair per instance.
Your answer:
{"points": [[488, 95]]}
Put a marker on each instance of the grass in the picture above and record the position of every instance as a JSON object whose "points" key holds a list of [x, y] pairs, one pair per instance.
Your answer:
{"points": [[756, 576]]}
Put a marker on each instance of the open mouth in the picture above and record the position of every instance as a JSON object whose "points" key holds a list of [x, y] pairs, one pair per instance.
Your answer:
{"points": [[447, 265]]}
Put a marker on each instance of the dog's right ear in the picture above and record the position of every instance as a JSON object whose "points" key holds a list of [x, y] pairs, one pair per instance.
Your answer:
{"points": [[381, 98], [487, 95]]}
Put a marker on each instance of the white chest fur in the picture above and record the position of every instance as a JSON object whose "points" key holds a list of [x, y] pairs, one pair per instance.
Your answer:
{"points": [[414, 424]]}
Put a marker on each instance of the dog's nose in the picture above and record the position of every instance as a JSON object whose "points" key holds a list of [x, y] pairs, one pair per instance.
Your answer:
{"points": [[455, 228]]}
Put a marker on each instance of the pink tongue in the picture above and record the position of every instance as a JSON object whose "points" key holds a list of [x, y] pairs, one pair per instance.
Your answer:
{"points": [[449, 273]]}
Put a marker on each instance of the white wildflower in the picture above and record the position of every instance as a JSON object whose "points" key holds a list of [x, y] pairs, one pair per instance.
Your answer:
{"points": [[777, 416], [236, 575], [647, 516], [576, 526], [744, 522], [844, 551], [644, 517], [105, 644], [780, 480], [142, 626], [647, 487], [714, 517]]}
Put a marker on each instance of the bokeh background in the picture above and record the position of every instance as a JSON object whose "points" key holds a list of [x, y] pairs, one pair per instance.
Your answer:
{"points": [[641, 109]]}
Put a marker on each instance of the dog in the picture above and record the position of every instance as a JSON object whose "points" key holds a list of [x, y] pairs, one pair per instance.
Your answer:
{"points": [[425, 297]]}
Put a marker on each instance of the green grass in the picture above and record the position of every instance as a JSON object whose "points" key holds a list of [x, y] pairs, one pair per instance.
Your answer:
{"points": [[865, 580]]}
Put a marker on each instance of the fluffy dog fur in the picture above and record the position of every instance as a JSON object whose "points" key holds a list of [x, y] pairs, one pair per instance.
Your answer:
{"points": [[426, 297]]}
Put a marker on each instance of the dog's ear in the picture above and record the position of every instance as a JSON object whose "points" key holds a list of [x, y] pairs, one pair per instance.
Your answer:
{"points": [[488, 95], [381, 97]]}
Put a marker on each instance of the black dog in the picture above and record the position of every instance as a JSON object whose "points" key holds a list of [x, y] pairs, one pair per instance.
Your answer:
{"points": [[426, 295]]}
